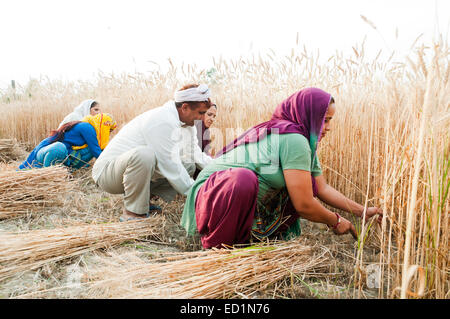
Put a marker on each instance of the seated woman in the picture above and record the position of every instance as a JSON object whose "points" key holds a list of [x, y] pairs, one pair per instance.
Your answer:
{"points": [[203, 132], [268, 177], [87, 107], [74, 144]]}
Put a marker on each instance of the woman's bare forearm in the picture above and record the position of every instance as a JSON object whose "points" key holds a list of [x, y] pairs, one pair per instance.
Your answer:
{"points": [[314, 211], [299, 187], [334, 198]]}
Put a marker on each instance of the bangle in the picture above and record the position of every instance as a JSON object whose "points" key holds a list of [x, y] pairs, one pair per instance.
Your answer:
{"points": [[338, 221]]}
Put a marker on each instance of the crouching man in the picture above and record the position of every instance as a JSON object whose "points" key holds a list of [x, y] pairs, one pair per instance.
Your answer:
{"points": [[145, 147]]}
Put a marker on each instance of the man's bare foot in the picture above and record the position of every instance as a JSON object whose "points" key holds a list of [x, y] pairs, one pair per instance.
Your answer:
{"points": [[127, 214]]}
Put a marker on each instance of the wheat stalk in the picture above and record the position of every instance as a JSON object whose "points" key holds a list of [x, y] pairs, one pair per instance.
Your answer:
{"points": [[214, 273], [26, 191], [10, 150], [30, 250]]}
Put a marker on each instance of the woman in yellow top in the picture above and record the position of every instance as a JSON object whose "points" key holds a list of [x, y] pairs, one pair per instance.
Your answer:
{"points": [[74, 144], [103, 124]]}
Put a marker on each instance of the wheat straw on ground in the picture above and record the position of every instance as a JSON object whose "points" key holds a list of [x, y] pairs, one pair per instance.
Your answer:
{"points": [[32, 249], [205, 274], [10, 150], [30, 190]]}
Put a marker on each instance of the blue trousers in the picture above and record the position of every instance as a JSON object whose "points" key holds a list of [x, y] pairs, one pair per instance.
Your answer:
{"points": [[52, 154]]}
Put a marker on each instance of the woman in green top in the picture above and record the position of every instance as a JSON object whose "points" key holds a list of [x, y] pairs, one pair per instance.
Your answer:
{"points": [[268, 177]]}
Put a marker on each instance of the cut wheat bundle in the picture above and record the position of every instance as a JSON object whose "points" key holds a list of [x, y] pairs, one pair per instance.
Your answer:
{"points": [[29, 190], [10, 150], [32, 249], [214, 273]]}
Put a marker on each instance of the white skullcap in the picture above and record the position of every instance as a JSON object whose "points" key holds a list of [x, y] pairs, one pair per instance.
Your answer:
{"points": [[198, 94]]}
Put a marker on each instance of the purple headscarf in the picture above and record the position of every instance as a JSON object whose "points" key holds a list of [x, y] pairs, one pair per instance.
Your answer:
{"points": [[302, 113]]}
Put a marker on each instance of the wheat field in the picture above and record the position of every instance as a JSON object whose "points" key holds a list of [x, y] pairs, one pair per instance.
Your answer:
{"points": [[389, 144]]}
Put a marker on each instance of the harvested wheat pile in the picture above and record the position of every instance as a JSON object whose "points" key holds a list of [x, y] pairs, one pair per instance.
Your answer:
{"points": [[10, 150], [32, 249], [25, 191], [205, 274]]}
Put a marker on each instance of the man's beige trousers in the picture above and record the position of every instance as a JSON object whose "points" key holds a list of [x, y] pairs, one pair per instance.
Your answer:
{"points": [[134, 174]]}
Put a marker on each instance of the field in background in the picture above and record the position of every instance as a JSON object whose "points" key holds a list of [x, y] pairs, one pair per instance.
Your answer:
{"points": [[389, 145]]}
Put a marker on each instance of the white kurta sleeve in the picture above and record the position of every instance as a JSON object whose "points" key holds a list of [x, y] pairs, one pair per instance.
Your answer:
{"points": [[201, 159], [162, 140]]}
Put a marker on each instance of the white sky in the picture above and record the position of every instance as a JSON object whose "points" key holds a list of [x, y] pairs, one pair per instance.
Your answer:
{"points": [[74, 39]]}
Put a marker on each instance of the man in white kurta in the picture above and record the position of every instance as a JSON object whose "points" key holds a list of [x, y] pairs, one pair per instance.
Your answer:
{"points": [[191, 156], [147, 144], [191, 153]]}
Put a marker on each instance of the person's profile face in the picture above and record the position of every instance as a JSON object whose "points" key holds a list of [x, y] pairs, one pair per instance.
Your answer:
{"points": [[210, 116], [328, 117], [95, 110], [189, 115]]}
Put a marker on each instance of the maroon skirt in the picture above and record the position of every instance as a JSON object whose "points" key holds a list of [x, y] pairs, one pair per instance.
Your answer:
{"points": [[225, 207]]}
